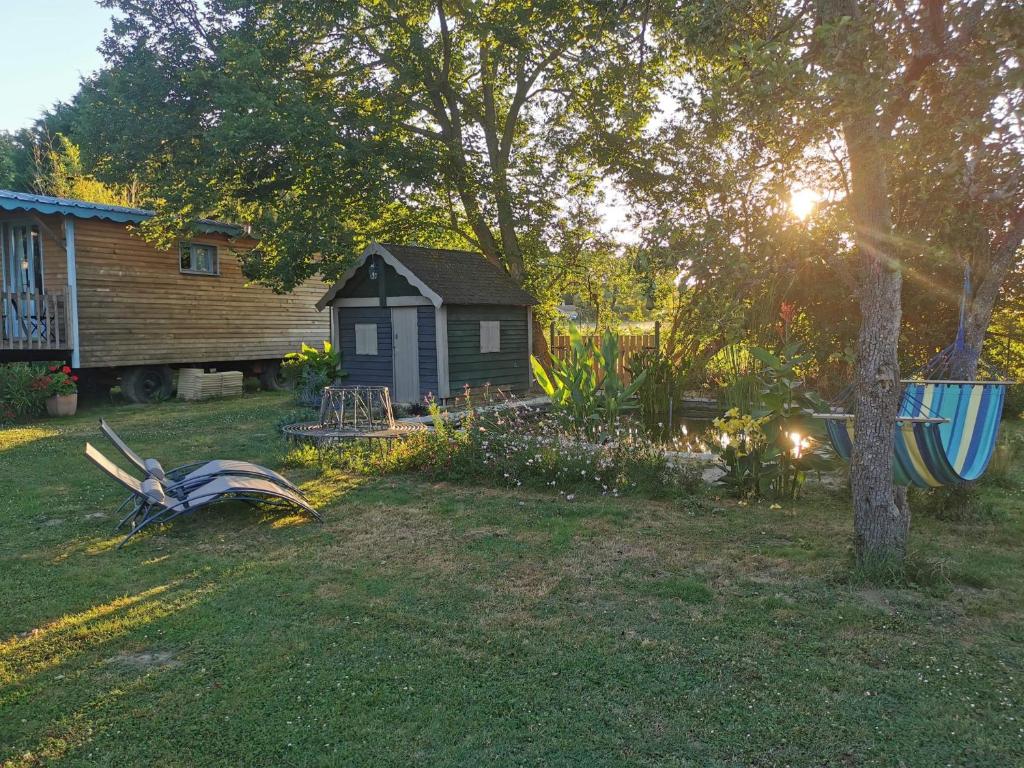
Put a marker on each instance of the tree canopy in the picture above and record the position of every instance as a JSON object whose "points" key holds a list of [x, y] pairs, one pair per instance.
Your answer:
{"points": [[323, 126], [755, 108]]}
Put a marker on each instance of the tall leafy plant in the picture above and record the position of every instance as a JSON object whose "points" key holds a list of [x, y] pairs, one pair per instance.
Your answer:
{"points": [[763, 442], [664, 381], [24, 388], [311, 369], [784, 403], [585, 386]]}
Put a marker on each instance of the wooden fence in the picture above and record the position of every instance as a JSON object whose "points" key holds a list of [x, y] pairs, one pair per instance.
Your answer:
{"points": [[33, 321], [629, 344]]}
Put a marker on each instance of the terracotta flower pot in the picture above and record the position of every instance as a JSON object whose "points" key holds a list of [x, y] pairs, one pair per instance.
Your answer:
{"points": [[62, 405]]}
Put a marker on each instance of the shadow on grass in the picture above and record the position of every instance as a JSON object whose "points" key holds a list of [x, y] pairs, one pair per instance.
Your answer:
{"points": [[56, 643], [75, 730]]}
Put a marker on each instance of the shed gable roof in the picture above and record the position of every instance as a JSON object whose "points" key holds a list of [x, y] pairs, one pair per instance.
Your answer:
{"points": [[44, 204], [449, 276]]}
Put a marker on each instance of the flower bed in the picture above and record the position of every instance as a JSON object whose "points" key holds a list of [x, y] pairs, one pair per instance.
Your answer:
{"points": [[525, 447]]}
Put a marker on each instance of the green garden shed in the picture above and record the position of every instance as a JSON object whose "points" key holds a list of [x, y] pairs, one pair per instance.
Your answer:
{"points": [[430, 321]]}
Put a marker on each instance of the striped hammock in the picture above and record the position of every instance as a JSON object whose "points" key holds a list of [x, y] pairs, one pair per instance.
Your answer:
{"points": [[945, 433]]}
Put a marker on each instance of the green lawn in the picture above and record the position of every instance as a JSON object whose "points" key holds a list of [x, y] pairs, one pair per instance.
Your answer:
{"points": [[441, 625]]}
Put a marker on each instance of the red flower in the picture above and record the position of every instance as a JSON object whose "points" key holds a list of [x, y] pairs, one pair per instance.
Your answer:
{"points": [[74, 378], [66, 369], [53, 369]]}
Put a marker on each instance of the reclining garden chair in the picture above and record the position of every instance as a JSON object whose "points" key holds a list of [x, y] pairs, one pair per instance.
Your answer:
{"points": [[155, 505], [196, 472]]}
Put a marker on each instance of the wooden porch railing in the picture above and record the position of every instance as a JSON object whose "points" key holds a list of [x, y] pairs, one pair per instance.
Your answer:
{"points": [[34, 321]]}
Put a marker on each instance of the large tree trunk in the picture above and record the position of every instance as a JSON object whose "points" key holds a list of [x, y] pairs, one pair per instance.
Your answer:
{"points": [[880, 524]]}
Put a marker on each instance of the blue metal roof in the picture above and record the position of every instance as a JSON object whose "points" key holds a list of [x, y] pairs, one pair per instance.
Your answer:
{"points": [[23, 201]]}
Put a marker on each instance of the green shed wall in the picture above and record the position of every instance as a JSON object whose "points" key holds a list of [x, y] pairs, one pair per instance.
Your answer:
{"points": [[508, 368]]}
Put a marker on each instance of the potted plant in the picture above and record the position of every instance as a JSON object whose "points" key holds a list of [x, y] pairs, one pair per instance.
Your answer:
{"points": [[62, 387]]}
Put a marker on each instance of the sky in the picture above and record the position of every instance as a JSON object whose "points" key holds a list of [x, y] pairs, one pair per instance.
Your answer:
{"points": [[48, 45]]}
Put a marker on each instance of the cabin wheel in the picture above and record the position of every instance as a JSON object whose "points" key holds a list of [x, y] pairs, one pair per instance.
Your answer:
{"points": [[147, 383]]}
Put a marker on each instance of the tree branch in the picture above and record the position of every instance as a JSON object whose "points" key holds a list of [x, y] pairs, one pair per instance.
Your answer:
{"points": [[935, 48]]}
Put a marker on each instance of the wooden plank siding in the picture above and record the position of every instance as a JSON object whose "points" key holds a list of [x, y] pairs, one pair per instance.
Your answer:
{"points": [[136, 307], [468, 366], [378, 370]]}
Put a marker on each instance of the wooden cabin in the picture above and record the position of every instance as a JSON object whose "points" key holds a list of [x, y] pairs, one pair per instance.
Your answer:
{"points": [[77, 284], [426, 321]]}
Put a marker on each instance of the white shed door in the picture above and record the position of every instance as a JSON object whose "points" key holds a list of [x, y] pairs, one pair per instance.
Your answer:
{"points": [[406, 355]]}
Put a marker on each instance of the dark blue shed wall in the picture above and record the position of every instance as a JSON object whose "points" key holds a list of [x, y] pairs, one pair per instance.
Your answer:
{"points": [[467, 365], [369, 370]]}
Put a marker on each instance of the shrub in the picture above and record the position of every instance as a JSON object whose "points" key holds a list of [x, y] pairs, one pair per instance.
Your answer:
{"points": [[311, 369], [952, 503], [23, 390]]}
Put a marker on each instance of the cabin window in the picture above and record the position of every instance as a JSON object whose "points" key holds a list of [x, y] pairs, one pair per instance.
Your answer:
{"points": [[490, 336], [366, 338], [199, 259]]}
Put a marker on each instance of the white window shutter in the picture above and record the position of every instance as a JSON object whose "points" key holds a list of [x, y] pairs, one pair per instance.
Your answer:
{"points": [[366, 339], [490, 336]]}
